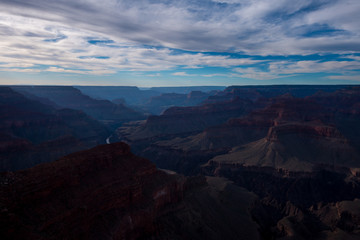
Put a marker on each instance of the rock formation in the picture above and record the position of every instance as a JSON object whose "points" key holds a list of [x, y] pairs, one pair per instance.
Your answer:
{"points": [[109, 193], [32, 132], [105, 111]]}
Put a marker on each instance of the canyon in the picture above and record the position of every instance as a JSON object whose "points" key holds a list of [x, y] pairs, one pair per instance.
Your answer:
{"points": [[33, 132], [245, 162], [109, 193]]}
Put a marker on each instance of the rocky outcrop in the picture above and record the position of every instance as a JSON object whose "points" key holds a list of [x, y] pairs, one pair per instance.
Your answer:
{"points": [[294, 163], [158, 104], [285, 131], [32, 132], [321, 204], [156, 138], [301, 133], [106, 111], [139, 97], [102, 193], [254, 93], [109, 193], [184, 120], [345, 107], [295, 147], [285, 185], [130, 94], [216, 209], [313, 130]]}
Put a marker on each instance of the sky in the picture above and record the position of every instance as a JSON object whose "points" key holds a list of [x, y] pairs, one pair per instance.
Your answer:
{"points": [[179, 42]]}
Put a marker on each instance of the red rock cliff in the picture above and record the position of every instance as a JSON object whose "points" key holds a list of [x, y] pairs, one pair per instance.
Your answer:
{"points": [[102, 193]]}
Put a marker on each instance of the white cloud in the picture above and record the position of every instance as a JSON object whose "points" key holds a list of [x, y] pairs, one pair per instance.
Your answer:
{"points": [[20, 70], [154, 75], [62, 70], [41, 35], [216, 75], [284, 67], [279, 69], [16, 65], [73, 50], [351, 78], [183, 74], [254, 26], [254, 73]]}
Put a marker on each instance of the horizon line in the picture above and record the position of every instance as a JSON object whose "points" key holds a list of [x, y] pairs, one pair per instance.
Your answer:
{"points": [[184, 86]]}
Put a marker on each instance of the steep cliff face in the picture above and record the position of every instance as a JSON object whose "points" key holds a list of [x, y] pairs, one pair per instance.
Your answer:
{"points": [[304, 169], [345, 105], [324, 184], [294, 164], [301, 133], [131, 95], [282, 132], [216, 209], [109, 193], [158, 104], [254, 93], [295, 147], [103, 193], [149, 138], [251, 127], [69, 97], [321, 204], [185, 120], [32, 132]]}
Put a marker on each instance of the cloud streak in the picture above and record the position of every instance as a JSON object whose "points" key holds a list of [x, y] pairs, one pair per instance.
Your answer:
{"points": [[202, 25], [108, 37], [88, 50]]}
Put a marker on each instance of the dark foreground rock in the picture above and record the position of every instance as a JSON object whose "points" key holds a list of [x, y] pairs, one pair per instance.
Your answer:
{"points": [[109, 193]]}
